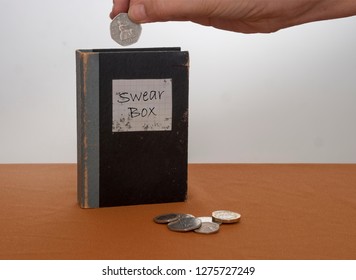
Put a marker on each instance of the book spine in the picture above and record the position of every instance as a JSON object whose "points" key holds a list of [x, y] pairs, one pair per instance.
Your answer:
{"points": [[87, 128]]}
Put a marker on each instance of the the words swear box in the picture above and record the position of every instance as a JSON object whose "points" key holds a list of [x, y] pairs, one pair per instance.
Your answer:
{"points": [[132, 123], [142, 105]]}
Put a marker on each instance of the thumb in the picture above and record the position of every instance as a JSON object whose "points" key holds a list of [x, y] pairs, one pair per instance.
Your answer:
{"points": [[143, 11]]}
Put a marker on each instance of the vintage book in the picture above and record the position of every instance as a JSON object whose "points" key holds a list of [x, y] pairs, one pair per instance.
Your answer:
{"points": [[132, 124]]}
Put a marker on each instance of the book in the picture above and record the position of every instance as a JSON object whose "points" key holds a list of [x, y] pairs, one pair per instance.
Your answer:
{"points": [[132, 126]]}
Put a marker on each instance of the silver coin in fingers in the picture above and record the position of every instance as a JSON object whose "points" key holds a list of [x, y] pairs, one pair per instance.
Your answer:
{"points": [[123, 31]]}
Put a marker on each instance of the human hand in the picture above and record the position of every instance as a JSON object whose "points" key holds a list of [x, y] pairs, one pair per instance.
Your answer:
{"points": [[246, 16]]}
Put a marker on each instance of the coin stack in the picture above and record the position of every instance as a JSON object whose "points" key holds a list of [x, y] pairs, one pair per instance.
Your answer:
{"points": [[205, 225]]}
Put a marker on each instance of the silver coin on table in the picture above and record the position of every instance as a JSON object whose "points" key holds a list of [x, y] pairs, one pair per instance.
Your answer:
{"points": [[185, 224], [208, 220], [208, 228], [181, 216], [123, 31], [166, 218], [226, 216]]}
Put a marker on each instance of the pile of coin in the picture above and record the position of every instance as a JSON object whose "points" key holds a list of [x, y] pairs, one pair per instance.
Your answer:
{"points": [[206, 225]]}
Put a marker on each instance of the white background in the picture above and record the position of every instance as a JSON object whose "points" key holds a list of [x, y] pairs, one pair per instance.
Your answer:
{"points": [[283, 97]]}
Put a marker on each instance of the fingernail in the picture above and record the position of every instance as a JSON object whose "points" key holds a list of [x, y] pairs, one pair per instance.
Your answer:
{"points": [[138, 13]]}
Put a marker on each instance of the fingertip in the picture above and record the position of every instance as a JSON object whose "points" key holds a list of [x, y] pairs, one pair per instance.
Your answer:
{"points": [[114, 12], [119, 6]]}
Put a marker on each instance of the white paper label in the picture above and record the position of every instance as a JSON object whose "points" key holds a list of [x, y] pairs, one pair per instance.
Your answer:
{"points": [[141, 105]]}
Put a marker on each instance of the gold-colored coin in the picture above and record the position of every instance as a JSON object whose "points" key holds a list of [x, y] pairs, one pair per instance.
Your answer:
{"points": [[225, 217]]}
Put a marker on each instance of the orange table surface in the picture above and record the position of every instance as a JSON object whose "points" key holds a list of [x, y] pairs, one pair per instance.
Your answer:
{"points": [[289, 211]]}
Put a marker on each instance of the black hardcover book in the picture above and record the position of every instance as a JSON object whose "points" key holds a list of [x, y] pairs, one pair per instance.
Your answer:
{"points": [[132, 123]]}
